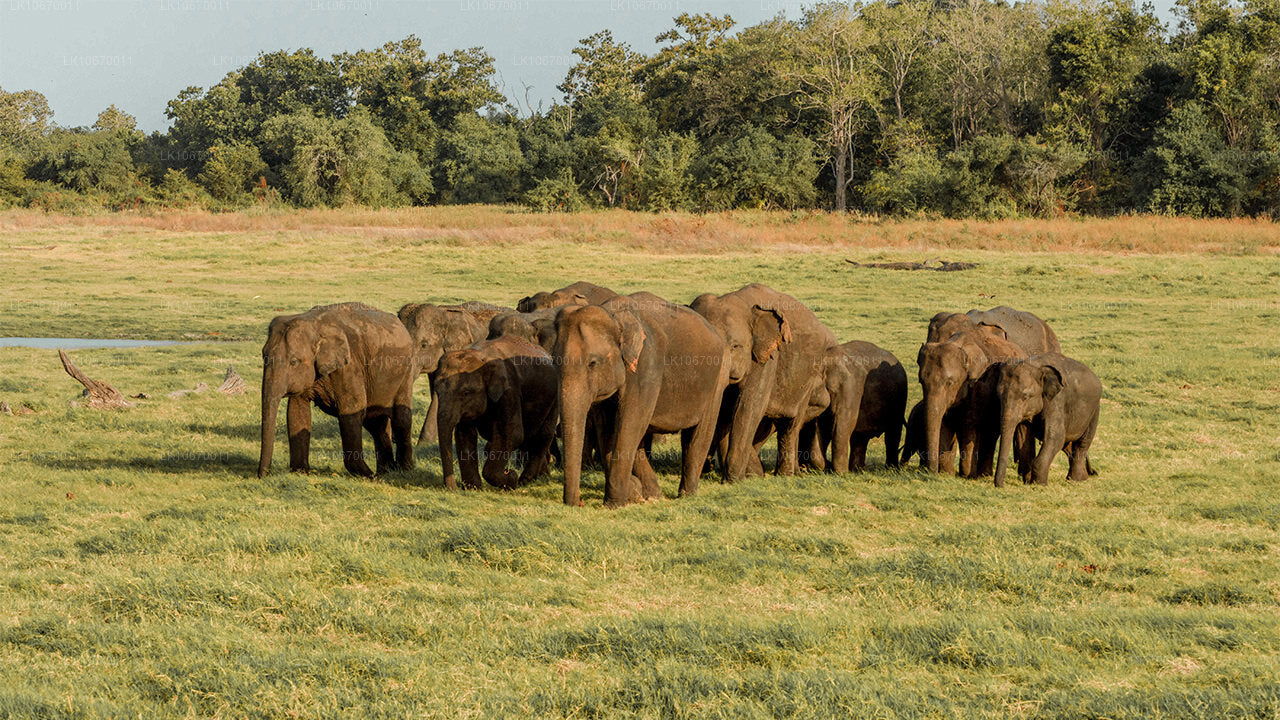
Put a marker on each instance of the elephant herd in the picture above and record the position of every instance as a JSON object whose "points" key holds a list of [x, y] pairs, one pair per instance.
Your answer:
{"points": [[608, 372]]}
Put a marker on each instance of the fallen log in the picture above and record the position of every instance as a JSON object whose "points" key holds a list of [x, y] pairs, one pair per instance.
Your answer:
{"points": [[931, 264], [101, 395]]}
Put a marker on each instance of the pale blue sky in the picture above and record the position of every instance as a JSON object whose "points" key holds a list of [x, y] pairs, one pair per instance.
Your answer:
{"points": [[138, 54]]}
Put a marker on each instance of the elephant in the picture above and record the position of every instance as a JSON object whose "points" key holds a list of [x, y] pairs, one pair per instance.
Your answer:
{"points": [[356, 363], [537, 327], [1058, 398], [867, 390], [435, 330], [959, 376], [579, 293], [777, 348], [1021, 328], [506, 391], [653, 367]]}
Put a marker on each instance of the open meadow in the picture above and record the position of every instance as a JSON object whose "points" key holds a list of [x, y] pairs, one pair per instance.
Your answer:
{"points": [[145, 571]]}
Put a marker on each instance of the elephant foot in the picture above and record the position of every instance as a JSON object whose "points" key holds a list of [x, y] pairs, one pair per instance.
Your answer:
{"points": [[304, 470]]}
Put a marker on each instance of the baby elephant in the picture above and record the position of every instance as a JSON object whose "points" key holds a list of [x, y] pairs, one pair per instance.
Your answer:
{"points": [[1058, 397], [868, 396], [504, 390]]}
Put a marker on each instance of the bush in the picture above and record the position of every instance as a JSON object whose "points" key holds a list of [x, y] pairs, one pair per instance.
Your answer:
{"points": [[557, 194], [231, 172], [662, 181], [1190, 170], [757, 170]]}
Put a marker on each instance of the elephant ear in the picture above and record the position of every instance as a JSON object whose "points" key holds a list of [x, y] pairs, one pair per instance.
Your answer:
{"points": [[332, 351], [632, 338], [406, 312], [769, 330], [975, 361], [1050, 382], [498, 376]]}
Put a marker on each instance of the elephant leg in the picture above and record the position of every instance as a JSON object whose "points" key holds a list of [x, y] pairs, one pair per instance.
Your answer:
{"points": [[379, 427], [1024, 448], [695, 447], [968, 451], [858, 452], [892, 436], [628, 434], [350, 427], [1080, 469], [466, 438], [402, 434], [788, 446], [742, 436], [946, 451], [985, 462], [298, 423], [1053, 444], [540, 448], [643, 471]]}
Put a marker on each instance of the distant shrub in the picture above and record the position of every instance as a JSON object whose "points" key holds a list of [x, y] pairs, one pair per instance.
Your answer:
{"points": [[556, 194]]}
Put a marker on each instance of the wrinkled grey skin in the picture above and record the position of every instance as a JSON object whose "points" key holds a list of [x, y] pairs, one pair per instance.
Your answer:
{"points": [[867, 391], [506, 391], [355, 363], [1021, 328], [1058, 398], [958, 376], [777, 349], [537, 327], [437, 329], [659, 367], [579, 293]]}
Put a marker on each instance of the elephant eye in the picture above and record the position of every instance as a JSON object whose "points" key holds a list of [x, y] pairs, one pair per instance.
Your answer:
{"points": [[294, 361], [592, 363]]}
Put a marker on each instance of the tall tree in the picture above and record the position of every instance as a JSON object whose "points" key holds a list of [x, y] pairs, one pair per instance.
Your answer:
{"points": [[832, 77]]}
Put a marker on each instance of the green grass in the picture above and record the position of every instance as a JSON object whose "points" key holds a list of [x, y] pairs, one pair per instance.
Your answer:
{"points": [[145, 572]]}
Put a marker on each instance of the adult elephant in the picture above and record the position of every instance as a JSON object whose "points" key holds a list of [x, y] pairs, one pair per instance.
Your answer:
{"points": [[579, 293], [504, 390], [659, 368], [777, 349], [1057, 398], [437, 329], [537, 327], [355, 363], [958, 376], [1021, 328], [867, 390]]}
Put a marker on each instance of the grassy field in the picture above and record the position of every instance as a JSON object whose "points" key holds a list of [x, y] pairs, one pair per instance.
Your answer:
{"points": [[145, 572]]}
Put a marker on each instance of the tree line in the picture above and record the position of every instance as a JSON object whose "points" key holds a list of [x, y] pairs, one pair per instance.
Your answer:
{"points": [[963, 108]]}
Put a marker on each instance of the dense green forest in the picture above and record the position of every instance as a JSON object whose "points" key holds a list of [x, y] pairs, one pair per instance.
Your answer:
{"points": [[963, 108]]}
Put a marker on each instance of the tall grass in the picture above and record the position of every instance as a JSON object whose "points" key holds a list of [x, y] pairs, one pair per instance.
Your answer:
{"points": [[146, 572]]}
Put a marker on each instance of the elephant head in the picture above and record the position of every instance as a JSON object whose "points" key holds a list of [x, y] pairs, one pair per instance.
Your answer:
{"points": [[596, 349], [946, 370], [579, 293], [434, 330], [537, 327], [1026, 387], [470, 385], [752, 333], [299, 352]]}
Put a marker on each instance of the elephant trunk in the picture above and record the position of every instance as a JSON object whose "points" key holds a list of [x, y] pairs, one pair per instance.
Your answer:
{"points": [[272, 392], [573, 423], [935, 408], [1008, 426]]}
